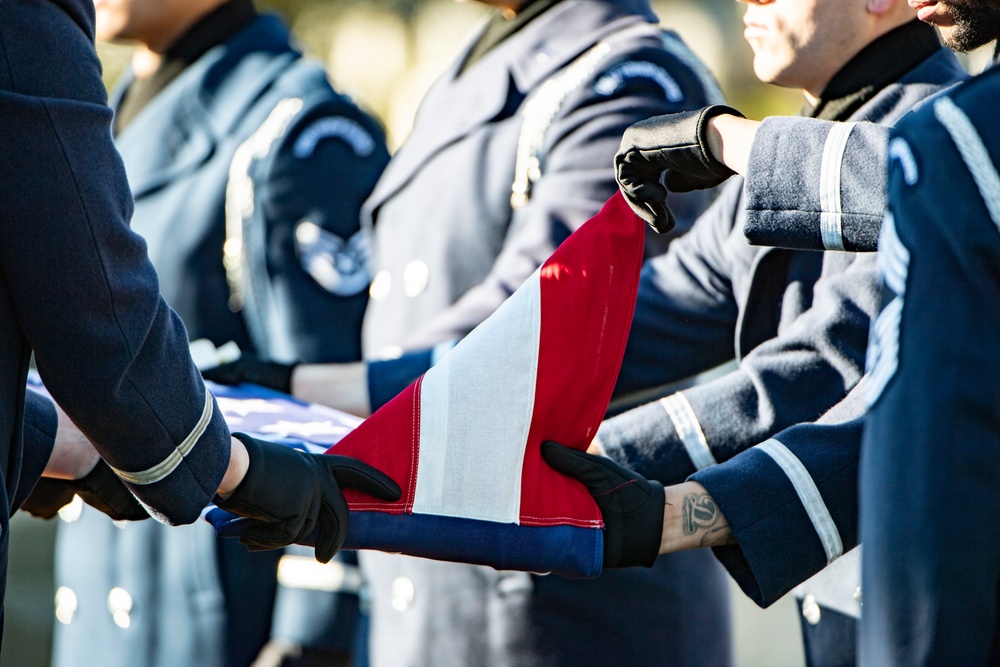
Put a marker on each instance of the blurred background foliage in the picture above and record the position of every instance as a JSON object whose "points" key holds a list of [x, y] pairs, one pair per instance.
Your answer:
{"points": [[386, 53]]}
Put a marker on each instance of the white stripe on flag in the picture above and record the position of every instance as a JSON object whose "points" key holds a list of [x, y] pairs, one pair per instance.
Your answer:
{"points": [[475, 411]]}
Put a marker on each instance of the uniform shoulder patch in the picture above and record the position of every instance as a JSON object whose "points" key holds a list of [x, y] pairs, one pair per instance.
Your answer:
{"points": [[340, 266], [615, 79], [346, 129]]}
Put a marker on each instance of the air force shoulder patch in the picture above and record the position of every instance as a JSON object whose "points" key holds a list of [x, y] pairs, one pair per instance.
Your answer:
{"points": [[339, 266]]}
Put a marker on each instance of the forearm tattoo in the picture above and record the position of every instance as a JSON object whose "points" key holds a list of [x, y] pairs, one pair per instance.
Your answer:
{"points": [[701, 514]]}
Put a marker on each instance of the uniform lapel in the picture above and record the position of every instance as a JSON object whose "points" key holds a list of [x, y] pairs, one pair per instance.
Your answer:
{"points": [[456, 105], [180, 129]]}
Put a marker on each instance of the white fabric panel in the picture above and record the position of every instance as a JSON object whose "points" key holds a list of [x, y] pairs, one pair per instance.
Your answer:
{"points": [[475, 412], [973, 152], [810, 496], [831, 223], [688, 429]]}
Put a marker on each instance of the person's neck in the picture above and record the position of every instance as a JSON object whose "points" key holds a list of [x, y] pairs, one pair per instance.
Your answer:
{"points": [[149, 54]]}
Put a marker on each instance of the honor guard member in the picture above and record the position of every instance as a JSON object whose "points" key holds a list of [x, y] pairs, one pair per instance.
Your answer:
{"points": [[929, 456], [78, 290], [511, 151], [797, 321], [248, 173]]}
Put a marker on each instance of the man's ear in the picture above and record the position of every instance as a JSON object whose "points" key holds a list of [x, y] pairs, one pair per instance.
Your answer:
{"points": [[880, 7]]}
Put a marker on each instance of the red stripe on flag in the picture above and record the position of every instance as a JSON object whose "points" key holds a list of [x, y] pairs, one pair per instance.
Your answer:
{"points": [[377, 441], [588, 294]]}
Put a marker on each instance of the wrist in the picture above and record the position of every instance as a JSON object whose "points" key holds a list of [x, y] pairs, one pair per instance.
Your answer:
{"points": [[729, 139], [239, 463], [340, 386], [692, 519]]}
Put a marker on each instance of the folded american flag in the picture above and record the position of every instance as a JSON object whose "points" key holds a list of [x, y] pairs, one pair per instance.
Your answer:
{"points": [[464, 440]]}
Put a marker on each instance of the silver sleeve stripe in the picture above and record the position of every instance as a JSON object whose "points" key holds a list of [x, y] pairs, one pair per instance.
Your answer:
{"points": [[809, 495], [831, 216], [162, 469], [686, 422], [973, 151]]}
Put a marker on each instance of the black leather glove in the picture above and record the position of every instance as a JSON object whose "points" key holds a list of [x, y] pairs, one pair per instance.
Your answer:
{"points": [[294, 494], [677, 144], [631, 505], [101, 488], [249, 368]]}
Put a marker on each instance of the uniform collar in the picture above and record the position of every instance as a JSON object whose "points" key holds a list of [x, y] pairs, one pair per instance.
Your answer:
{"points": [[878, 65], [215, 28], [189, 117]]}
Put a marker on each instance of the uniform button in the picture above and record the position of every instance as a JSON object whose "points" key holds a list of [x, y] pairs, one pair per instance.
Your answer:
{"points": [[72, 511], [415, 277], [307, 233], [120, 605], [402, 594], [66, 604], [121, 525], [390, 352], [857, 594], [810, 610], [381, 284], [542, 57]]}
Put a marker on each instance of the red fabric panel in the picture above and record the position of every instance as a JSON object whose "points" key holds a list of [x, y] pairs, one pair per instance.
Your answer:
{"points": [[588, 293]]}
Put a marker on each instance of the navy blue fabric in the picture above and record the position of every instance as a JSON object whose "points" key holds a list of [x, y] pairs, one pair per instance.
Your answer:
{"points": [[40, 426], [833, 642], [177, 152], [777, 545], [77, 287], [388, 377], [442, 210], [523, 547], [930, 457], [796, 322]]}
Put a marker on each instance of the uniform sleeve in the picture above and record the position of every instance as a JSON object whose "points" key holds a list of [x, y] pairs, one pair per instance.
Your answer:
{"points": [[40, 426], [577, 176], [311, 194], [86, 297], [795, 377], [791, 501], [930, 462], [831, 197]]}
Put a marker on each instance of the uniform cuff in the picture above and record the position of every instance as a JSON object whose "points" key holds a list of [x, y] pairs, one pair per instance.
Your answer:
{"points": [[386, 378], [645, 440], [40, 426]]}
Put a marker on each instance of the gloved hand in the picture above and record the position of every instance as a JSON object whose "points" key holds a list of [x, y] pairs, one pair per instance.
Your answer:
{"points": [[290, 494], [632, 506], [249, 368], [676, 143], [101, 488]]}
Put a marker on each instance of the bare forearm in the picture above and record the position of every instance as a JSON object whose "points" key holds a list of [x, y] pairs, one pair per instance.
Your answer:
{"points": [[730, 139], [692, 519], [72, 454], [340, 386]]}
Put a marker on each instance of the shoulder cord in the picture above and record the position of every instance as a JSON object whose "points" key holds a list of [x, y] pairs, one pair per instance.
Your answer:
{"points": [[244, 254], [543, 106]]}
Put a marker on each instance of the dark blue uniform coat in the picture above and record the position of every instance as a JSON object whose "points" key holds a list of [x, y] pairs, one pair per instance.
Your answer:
{"points": [[77, 286], [308, 159], [930, 466], [449, 248], [798, 324]]}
